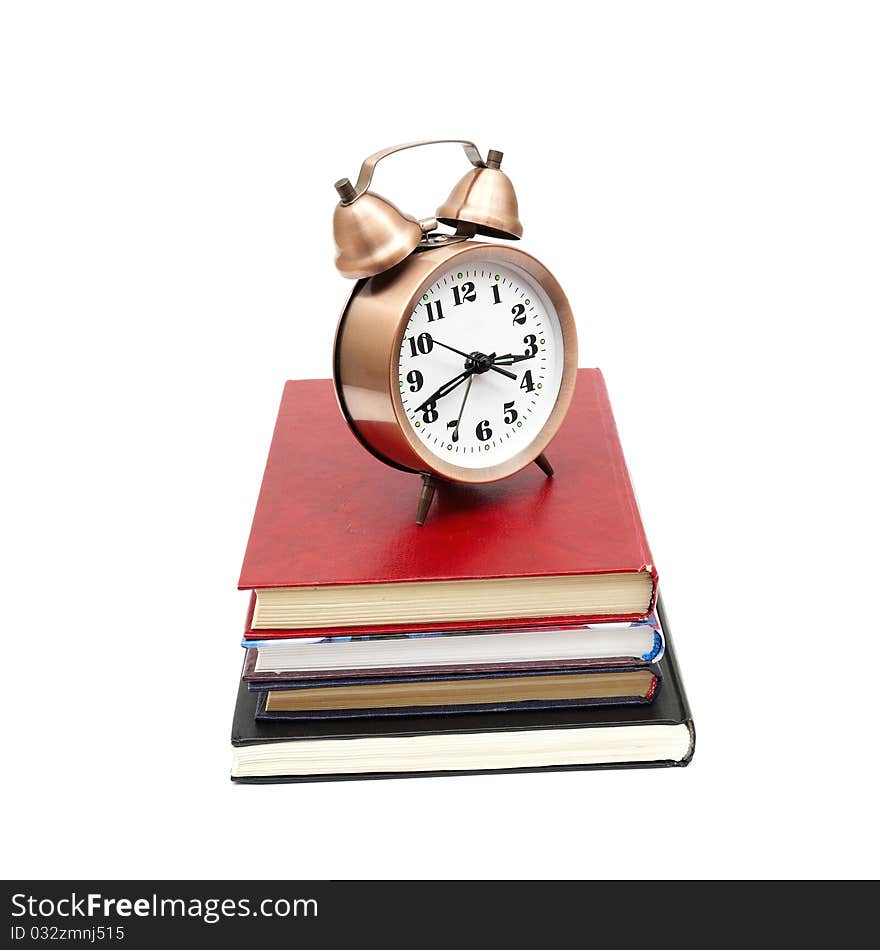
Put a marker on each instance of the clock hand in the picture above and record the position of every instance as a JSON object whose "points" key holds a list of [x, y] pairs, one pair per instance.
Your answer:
{"points": [[509, 358], [447, 388], [467, 356], [504, 372], [467, 393], [446, 346]]}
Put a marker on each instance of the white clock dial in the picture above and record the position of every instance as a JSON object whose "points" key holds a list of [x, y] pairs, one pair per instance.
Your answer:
{"points": [[458, 403]]}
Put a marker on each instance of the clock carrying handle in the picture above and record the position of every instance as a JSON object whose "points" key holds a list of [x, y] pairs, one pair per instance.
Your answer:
{"points": [[369, 165]]}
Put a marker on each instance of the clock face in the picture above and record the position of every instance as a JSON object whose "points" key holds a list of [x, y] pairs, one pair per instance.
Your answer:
{"points": [[480, 364]]}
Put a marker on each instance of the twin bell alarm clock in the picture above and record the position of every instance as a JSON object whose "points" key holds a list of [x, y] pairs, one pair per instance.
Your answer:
{"points": [[455, 358]]}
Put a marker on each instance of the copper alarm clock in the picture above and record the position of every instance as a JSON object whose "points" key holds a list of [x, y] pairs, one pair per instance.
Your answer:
{"points": [[454, 358]]}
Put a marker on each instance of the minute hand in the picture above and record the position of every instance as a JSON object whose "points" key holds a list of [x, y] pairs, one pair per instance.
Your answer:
{"points": [[509, 358], [446, 388]]}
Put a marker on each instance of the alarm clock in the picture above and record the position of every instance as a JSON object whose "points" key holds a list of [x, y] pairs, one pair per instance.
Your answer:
{"points": [[454, 358]]}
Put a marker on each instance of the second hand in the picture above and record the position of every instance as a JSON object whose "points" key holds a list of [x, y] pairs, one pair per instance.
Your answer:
{"points": [[467, 392]]}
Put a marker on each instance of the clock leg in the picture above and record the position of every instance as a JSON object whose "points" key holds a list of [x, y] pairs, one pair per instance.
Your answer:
{"points": [[543, 463], [429, 485]]}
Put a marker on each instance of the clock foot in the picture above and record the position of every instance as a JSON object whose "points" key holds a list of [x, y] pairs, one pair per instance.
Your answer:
{"points": [[429, 485], [543, 463]]}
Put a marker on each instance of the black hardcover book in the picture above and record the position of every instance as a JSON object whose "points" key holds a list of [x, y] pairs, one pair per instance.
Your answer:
{"points": [[646, 735]]}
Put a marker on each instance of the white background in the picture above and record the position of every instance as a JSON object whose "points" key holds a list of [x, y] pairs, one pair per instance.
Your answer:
{"points": [[704, 180]]}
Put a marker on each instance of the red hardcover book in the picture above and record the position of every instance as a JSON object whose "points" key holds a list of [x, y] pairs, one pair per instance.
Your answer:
{"points": [[331, 516]]}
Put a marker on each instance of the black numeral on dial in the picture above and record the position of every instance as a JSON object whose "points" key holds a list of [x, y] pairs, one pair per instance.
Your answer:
{"points": [[496, 293], [435, 311], [527, 383], [531, 342], [510, 414], [466, 292], [421, 344], [483, 431], [415, 380], [454, 426], [429, 413], [519, 313]]}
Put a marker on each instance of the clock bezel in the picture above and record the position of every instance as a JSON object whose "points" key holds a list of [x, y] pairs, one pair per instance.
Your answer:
{"points": [[540, 275], [367, 349]]}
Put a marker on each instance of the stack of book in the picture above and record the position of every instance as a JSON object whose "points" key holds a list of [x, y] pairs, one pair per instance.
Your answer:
{"points": [[519, 629]]}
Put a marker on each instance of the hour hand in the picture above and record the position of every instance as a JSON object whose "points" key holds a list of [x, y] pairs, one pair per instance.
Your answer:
{"points": [[446, 388], [509, 358]]}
